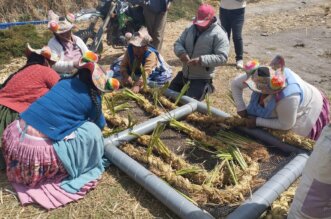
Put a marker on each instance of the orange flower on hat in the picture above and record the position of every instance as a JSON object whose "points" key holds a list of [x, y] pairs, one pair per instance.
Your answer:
{"points": [[112, 84], [70, 17], [90, 56], [277, 82], [46, 52], [54, 26], [251, 66]]}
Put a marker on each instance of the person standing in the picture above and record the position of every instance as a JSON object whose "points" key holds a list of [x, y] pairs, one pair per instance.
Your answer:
{"points": [[232, 16], [201, 47], [155, 14]]}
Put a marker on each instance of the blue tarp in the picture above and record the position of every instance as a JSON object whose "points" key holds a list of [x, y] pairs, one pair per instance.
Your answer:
{"points": [[7, 25]]}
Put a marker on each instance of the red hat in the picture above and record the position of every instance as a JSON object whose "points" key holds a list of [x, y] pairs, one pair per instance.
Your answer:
{"points": [[204, 15]]}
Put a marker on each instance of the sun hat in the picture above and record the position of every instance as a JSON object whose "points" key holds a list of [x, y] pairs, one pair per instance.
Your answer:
{"points": [[266, 80], [58, 24], [204, 15], [140, 38], [45, 51], [99, 76]]}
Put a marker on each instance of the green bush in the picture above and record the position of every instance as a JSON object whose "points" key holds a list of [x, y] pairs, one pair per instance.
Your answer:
{"points": [[13, 41]]}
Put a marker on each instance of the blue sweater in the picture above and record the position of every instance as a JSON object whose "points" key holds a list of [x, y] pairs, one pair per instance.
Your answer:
{"points": [[63, 109]]}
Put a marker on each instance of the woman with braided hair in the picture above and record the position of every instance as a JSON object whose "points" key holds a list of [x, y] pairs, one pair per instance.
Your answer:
{"points": [[69, 47], [54, 151], [36, 77]]}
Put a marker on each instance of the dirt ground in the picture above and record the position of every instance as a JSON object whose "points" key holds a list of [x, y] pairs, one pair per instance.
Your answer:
{"points": [[299, 30]]}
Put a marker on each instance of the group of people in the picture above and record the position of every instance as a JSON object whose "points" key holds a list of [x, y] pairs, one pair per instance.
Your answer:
{"points": [[50, 109], [50, 113]]}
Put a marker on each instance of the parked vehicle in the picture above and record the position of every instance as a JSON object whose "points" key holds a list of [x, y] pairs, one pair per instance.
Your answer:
{"points": [[118, 16]]}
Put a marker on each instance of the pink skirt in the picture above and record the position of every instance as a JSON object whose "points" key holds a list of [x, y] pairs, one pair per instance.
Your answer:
{"points": [[323, 119], [29, 155], [34, 169]]}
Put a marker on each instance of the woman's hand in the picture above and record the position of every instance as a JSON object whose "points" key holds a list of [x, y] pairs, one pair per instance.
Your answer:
{"points": [[184, 58], [251, 122], [127, 81], [194, 61], [135, 89], [76, 63], [243, 114]]}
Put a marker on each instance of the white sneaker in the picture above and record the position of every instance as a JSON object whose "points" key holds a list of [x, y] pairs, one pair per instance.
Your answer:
{"points": [[240, 64]]}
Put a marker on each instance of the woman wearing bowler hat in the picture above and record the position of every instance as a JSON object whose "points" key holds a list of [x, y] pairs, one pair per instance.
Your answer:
{"points": [[26, 85], [69, 47], [280, 99], [139, 57], [54, 152]]}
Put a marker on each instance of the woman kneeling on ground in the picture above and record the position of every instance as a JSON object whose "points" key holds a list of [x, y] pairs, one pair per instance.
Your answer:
{"points": [[140, 57], [280, 99], [54, 151], [25, 86]]}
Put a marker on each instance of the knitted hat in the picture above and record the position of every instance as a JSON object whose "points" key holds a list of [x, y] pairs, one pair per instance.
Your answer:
{"points": [[45, 51], [60, 24], [140, 38], [99, 76]]}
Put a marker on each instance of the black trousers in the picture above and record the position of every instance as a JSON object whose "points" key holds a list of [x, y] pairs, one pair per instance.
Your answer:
{"points": [[198, 87], [233, 21]]}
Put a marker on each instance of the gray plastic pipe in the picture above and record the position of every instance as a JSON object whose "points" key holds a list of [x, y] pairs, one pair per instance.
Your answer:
{"points": [[156, 186], [253, 207], [265, 137], [268, 193], [149, 125]]}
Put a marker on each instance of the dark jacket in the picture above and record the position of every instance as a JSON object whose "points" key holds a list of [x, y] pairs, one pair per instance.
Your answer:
{"points": [[156, 6]]}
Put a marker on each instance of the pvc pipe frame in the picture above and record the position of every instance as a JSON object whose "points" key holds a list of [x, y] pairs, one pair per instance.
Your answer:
{"points": [[262, 198], [160, 189], [251, 208]]}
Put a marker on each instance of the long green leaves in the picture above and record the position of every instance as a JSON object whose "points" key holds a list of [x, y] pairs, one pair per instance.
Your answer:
{"points": [[156, 142], [144, 76], [182, 92]]}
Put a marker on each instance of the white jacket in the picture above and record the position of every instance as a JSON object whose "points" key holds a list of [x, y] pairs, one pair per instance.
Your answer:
{"points": [[62, 66], [289, 114]]}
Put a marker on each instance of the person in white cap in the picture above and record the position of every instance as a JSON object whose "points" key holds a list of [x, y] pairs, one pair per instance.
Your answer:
{"points": [[69, 47], [201, 47]]}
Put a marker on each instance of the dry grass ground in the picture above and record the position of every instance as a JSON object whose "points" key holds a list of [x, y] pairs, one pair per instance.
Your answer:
{"points": [[117, 196]]}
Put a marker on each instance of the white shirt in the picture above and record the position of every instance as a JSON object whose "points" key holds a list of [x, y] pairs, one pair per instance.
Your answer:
{"points": [[64, 66], [289, 113]]}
